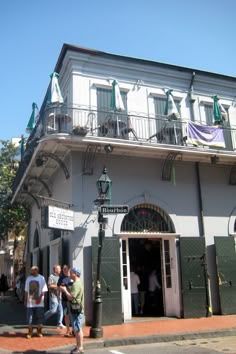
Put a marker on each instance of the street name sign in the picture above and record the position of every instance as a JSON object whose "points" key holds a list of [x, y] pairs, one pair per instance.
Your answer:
{"points": [[114, 209]]}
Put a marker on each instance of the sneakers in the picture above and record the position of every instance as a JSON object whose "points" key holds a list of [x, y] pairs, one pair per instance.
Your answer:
{"points": [[39, 333], [61, 326], [29, 334]]}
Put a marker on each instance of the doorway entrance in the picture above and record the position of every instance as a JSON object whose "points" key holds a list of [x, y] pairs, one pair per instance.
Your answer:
{"points": [[148, 242], [146, 261]]}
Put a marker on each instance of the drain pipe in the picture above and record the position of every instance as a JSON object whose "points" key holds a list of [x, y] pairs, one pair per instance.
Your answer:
{"points": [[200, 218], [191, 96], [202, 234]]}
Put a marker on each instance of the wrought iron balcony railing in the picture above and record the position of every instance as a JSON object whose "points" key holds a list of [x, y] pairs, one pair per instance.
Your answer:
{"points": [[121, 125], [81, 121]]}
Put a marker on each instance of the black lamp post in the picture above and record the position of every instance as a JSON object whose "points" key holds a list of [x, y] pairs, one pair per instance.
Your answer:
{"points": [[104, 190]]}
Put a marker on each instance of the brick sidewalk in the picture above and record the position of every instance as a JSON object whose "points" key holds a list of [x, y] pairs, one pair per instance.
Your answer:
{"points": [[13, 333], [16, 341]]}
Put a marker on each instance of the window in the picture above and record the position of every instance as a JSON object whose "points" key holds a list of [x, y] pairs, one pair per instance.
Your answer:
{"points": [[160, 103], [36, 239], [169, 132], [147, 218], [104, 105], [209, 114]]}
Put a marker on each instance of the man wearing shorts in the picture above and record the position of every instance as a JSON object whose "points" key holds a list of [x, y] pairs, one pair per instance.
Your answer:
{"points": [[65, 281], [35, 288], [76, 295]]}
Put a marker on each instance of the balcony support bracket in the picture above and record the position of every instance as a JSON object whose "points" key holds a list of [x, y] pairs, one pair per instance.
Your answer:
{"points": [[89, 157], [168, 165], [43, 157]]}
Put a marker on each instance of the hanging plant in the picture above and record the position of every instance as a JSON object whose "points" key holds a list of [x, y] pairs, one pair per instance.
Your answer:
{"points": [[81, 131]]}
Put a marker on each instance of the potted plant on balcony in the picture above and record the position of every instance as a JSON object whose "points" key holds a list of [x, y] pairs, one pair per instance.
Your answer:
{"points": [[79, 130]]}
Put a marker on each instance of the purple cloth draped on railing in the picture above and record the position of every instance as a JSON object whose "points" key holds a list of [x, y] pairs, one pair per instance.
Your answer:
{"points": [[205, 135]]}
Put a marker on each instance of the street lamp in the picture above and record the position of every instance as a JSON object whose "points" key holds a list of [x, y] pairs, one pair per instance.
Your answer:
{"points": [[104, 192]]}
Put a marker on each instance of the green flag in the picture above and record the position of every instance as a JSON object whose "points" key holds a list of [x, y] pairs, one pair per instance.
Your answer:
{"points": [[218, 111], [33, 118]]}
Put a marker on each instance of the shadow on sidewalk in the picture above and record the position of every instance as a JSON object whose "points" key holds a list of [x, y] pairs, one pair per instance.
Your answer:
{"points": [[13, 313]]}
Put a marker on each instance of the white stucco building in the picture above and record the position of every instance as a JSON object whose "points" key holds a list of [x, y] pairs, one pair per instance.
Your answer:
{"points": [[181, 196]]}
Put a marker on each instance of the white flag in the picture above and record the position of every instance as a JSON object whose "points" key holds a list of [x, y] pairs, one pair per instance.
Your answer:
{"points": [[170, 107], [56, 96]]}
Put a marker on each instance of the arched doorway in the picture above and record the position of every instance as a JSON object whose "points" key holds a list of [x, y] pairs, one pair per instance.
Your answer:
{"points": [[147, 218], [148, 249]]}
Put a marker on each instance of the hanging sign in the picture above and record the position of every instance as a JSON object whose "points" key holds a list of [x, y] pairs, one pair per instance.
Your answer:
{"points": [[59, 218], [114, 209]]}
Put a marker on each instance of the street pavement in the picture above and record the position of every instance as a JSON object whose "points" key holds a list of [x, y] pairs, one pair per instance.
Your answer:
{"points": [[13, 331]]}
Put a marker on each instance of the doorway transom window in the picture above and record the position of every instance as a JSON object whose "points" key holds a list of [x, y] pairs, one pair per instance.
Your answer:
{"points": [[147, 218]]}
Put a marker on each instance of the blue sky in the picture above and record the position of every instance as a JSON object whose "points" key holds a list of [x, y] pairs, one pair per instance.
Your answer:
{"points": [[197, 34]]}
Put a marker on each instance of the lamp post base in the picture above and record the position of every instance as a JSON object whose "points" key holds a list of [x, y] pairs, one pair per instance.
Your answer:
{"points": [[96, 332]]}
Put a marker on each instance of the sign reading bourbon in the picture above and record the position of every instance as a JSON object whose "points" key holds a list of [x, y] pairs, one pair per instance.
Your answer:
{"points": [[59, 218], [114, 209]]}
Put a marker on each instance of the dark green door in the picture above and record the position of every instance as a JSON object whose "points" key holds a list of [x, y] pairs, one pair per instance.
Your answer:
{"points": [[110, 279], [63, 252], [195, 298], [45, 262], [45, 269], [226, 269]]}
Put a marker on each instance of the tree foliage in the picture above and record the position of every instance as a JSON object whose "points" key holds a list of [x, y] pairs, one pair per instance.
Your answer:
{"points": [[13, 217]]}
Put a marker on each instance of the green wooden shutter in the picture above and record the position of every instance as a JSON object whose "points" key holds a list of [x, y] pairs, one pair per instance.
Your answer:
{"points": [[168, 132], [209, 114], [194, 277], [104, 104], [226, 266], [45, 262], [110, 279], [45, 270], [63, 250]]}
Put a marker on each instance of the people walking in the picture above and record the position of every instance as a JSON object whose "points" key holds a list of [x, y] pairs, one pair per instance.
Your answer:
{"points": [[75, 296], [35, 288], [65, 281], [55, 305], [20, 284]]}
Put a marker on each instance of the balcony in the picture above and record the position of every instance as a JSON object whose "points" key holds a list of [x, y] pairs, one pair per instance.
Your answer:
{"points": [[126, 129], [81, 121]]}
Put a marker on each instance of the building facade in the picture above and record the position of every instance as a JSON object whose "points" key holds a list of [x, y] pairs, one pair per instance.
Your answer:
{"points": [[170, 153]]}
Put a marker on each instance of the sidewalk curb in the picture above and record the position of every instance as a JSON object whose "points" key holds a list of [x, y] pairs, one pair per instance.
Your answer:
{"points": [[159, 338]]}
